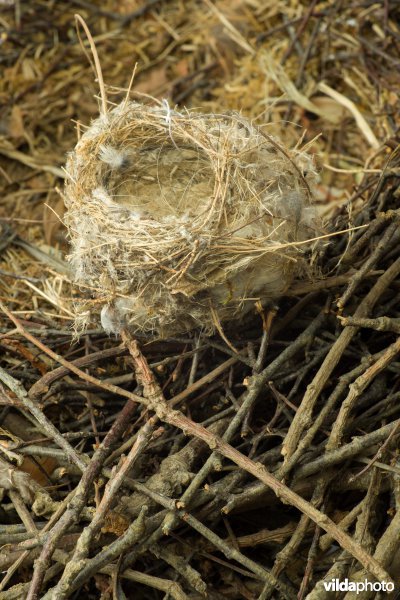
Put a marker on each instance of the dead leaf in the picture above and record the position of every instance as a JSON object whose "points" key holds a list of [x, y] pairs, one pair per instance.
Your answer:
{"points": [[115, 523], [16, 123], [152, 81], [182, 67], [35, 183], [38, 468], [30, 70]]}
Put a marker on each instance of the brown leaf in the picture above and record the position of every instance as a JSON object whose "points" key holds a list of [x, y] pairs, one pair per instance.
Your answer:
{"points": [[182, 67], [152, 81], [16, 123], [115, 523], [38, 468]]}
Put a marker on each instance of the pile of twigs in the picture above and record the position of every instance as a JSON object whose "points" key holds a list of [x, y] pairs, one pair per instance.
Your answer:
{"points": [[180, 484], [183, 468]]}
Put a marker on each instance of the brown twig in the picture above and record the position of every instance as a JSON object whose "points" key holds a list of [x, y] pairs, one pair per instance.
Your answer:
{"points": [[90, 472], [303, 416], [355, 390], [82, 548]]}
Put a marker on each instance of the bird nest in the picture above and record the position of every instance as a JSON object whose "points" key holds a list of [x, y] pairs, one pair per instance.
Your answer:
{"points": [[179, 220]]}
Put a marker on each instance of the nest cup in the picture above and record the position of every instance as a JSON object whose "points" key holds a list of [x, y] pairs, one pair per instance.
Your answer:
{"points": [[179, 220]]}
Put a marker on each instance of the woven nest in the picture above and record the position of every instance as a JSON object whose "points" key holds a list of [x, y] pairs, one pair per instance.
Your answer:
{"points": [[179, 220]]}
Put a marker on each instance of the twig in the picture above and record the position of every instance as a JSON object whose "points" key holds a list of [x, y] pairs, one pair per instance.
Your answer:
{"points": [[82, 549], [30, 528], [287, 553], [368, 264], [310, 563], [353, 448], [374, 460], [42, 385], [387, 546], [326, 410], [379, 323], [195, 362], [68, 365], [46, 425], [208, 378], [356, 389], [303, 417], [78, 502], [229, 551]]}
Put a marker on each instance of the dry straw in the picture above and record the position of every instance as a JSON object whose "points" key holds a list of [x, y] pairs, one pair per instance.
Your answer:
{"points": [[179, 220]]}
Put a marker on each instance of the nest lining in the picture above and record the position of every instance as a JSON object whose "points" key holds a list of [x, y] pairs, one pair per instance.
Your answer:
{"points": [[179, 220]]}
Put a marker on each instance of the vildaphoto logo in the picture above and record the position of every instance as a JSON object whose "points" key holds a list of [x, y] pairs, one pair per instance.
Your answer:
{"points": [[336, 585]]}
